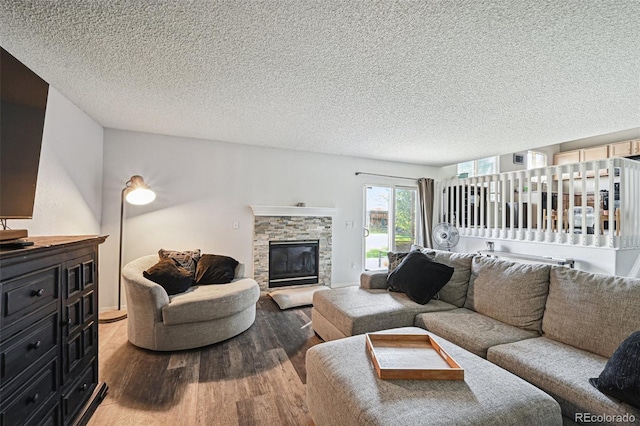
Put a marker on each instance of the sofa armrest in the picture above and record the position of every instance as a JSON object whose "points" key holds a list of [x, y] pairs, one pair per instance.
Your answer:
{"points": [[145, 298], [374, 280]]}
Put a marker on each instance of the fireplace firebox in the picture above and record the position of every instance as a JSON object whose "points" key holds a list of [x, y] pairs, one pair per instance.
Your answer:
{"points": [[293, 263]]}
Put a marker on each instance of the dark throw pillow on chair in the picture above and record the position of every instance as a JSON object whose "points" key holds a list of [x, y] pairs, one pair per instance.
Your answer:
{"points": [[419, 277], [174, 279], [188, 259], [621, 376], [215, 269]]}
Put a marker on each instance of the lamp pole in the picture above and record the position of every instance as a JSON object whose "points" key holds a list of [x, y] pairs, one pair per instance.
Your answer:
{"points": [[137, 192], [124, 190]]}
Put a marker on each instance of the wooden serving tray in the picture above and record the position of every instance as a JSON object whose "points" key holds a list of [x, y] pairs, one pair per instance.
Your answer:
{"points": [[411, 356]]}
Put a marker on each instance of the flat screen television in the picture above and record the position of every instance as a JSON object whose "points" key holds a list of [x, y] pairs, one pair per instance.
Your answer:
{"points": [[24, 101]]}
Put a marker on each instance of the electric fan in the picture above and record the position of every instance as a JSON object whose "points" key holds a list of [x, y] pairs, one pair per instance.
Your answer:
{"points": [[445, 235]]}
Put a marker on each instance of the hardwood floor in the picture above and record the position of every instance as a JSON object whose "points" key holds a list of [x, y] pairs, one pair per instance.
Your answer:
{"points": [[256, 378]]}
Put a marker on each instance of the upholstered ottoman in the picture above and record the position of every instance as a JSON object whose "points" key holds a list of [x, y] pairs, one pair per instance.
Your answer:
{"points": [[344, 389]]}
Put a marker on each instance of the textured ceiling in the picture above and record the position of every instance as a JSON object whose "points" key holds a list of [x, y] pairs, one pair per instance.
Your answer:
{"points": [[427, 82]]}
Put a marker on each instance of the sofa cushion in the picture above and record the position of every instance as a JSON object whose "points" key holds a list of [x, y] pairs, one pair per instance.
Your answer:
{"points": [[208, 302], [419, 277], [215, 269], [510, 292], [173, 278], [593, 312], [354, 310], [562, 371], [473, 331], [374, 280], [455, 291], [621, 376]]}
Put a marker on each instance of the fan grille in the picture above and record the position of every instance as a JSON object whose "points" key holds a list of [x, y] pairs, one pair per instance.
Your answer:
{"points": [[445, 235]]}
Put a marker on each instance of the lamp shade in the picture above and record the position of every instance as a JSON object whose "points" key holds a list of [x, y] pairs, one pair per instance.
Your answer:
{"points": [[139, 192]]}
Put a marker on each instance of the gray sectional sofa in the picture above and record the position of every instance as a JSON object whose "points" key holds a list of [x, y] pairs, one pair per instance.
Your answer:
{"points": [[554, 327]]}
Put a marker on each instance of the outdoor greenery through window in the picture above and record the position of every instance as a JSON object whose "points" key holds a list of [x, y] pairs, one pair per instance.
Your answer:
{"points": [[390, 222], [483, 166]]}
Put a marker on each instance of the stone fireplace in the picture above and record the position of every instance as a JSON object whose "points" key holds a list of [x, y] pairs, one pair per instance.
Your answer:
{"points": [[293, 263], [290, 234]]}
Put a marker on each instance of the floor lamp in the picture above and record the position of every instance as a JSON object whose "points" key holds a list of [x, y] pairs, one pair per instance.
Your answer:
{"points": [[135, 192]]}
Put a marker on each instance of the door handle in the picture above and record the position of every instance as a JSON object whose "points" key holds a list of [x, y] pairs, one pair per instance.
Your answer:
{"points": [[366, 232]]}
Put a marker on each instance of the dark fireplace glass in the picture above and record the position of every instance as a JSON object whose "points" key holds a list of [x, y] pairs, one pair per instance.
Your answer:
{"points": [[293, 263]]}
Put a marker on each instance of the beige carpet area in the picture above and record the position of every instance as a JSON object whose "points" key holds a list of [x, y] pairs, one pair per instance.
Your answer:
{"points": [[294, 297]]}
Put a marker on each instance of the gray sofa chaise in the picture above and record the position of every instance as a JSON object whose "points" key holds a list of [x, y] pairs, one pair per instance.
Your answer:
{"points": [[201, 316], [552, 326]]}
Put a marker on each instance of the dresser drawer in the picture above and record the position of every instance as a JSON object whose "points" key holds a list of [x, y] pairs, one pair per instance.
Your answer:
{"points": [[79, 391], [25, 349], [33, 397], [48, 415], [51, 415], [26, 294]]}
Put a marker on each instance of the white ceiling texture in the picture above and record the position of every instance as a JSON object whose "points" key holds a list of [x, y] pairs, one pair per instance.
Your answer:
{"points": [[426, 82]]}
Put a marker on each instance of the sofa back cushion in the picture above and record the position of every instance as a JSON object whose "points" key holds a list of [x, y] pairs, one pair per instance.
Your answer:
{"points": [[590, 311], [514, 293], [455, 291]]}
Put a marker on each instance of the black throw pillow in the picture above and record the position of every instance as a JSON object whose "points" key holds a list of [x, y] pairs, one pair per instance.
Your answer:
{"points": [[621, 375], [174, 279], [419, 277], [394, 260], [215, 269]]}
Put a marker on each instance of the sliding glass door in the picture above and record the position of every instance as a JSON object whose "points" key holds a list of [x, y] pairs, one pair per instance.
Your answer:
{"points": [[390, 222]]}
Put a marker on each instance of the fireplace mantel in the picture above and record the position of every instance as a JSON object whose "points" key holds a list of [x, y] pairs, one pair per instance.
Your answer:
{"points": [[293, 211]]}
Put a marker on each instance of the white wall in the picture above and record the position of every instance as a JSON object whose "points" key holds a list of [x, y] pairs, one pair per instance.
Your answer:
{"points": [[69, 188], [204, 186], [600, 260]]}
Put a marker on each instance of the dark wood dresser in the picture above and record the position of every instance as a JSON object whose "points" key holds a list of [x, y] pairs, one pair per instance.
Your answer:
{"points": [[49, 332]]}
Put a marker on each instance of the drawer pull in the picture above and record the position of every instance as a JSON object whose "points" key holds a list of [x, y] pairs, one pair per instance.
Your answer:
{"points": [[37, 293], [33, 398], [35, 345], [65, 321], [83, 387]]}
